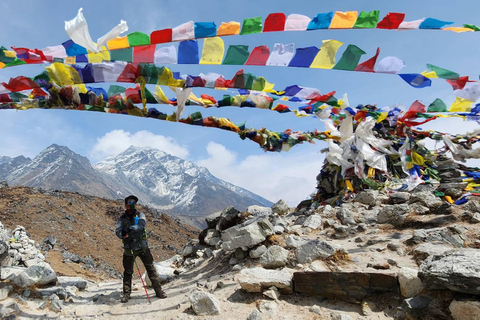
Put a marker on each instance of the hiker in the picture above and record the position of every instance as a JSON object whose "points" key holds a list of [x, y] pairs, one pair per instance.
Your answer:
{"points": [[131, 229]]}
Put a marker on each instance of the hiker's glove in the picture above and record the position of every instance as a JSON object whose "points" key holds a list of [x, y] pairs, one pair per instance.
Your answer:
{"points": [[125, 231]]}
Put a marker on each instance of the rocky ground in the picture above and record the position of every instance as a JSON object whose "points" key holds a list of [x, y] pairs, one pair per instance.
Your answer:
{"points": [[379, 255]]}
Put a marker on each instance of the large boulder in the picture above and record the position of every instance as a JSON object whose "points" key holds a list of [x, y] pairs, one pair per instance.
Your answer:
{"points": [[425, 250], [204, 303], [410, 283], [259, 210], [465, 310], [274, 257], [38, 275], [457, 270], [346, 286], [453, 235], [368, 197], [247, 234], [425, 198], [257, 279], [313, 250], [281, 208], [394, 214]]}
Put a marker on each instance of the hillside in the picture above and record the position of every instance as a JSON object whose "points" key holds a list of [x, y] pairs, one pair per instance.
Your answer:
{"points": [[84, 227]]}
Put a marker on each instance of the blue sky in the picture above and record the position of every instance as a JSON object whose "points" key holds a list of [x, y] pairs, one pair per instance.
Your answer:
{"points": [[290, 175]]}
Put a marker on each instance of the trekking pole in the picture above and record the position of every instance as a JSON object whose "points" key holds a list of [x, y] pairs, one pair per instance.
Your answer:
{"points": [[138, 269]]}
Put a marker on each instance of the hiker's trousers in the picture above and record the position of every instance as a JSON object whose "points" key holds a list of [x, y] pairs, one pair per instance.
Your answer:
{"points": [[128, 265]]}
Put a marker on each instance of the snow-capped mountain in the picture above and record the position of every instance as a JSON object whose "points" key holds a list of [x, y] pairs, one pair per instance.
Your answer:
{"points": [[59, 168], [160, 180], [172, 184]]}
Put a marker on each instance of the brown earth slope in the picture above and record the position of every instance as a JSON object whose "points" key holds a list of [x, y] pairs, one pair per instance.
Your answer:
{"points": [[85, 226]]}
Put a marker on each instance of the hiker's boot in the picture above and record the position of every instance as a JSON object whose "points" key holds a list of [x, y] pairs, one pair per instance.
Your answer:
{"points": [[160, 293], [125, 298]]}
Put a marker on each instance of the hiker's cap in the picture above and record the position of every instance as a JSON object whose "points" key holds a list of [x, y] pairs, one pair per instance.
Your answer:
{"points": [[131, 197]]}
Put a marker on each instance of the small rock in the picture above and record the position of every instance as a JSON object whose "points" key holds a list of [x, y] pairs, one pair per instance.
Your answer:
{"points": [[255, 315], [316, 309]]}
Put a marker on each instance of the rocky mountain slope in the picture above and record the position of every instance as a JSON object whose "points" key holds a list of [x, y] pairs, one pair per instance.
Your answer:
{"points": [[379, 255], [160, 180], [82, 228]]}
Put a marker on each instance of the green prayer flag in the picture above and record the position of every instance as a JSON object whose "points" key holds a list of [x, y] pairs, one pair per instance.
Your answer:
{"points": [[472, 26], [367, 19], [252, 25], [149, 72], [196, 116], [43, 75], [236, 55], [114, 89], [16, 96], [122, 55], [259, 84], [443, 73], [437, 106], [94, 108], [227, 100], [350, 58], [3, 57], [149, 96], [16, 62], [249, 78], [138, 39]]}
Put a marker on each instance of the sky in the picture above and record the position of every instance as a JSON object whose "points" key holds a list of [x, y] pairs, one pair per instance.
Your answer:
{"points": [[286, 175]]}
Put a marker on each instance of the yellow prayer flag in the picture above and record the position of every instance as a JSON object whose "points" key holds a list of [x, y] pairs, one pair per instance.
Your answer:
{"points": [[70, 60], [344, 20], [349, 185], [382, 117], [458, 29], [135, 112], [81, 88], [449, 199], [213, 50], [160, 96], [429, 74], [300, 114], [227, 123], [268, 86], [325, 58], [118, 43], [194, 98], [10, 54], [2, 65], [99, 57], [63, 74], [228, 28], [417, 159], [461, 105]]}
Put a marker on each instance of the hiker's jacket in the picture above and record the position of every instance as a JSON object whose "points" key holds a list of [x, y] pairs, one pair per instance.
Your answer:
{"points": [[137, 238]]}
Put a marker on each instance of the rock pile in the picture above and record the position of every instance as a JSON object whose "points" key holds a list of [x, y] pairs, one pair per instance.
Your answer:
{"points": [[309, 250], [24, 270]]}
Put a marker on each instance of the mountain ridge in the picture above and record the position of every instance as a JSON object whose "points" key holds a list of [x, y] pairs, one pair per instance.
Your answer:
{"points": [[160, 180]]}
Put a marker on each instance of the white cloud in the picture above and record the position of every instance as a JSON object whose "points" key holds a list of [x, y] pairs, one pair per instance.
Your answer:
{"points": [[117, 141], [274, 176]]}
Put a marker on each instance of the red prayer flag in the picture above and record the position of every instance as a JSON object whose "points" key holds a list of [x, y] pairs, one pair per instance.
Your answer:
{"points": [[4, 98], [369, 65], [133, 94], [459, 83], [144, 54], [417, 107], [275, 22], [206, 96], [29, 55], [220, 82], [38, 92], [161, 36], [259, 56], [20, 83], [129, 74], [323, 98], [391, 21]]}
